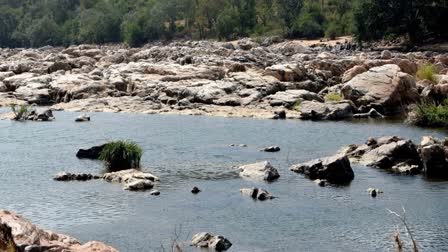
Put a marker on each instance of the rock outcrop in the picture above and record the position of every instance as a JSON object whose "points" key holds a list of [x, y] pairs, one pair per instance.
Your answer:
{"points": [[391, 153], [29, 237]]}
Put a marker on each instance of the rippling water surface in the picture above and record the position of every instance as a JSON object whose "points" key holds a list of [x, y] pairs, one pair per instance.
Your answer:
{"points": [[194, 151]]}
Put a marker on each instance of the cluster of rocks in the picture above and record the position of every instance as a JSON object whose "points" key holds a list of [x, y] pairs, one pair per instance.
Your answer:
{"points": [[18, 234], [132, 180], [244, 78], [66, 176], [402, 156], [390, 153], [210, 241]]}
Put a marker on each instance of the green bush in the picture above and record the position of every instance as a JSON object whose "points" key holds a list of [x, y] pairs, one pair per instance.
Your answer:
{"points": [[21, 113], [333, 97], [431, 114], [427, 72], [121, 155]]}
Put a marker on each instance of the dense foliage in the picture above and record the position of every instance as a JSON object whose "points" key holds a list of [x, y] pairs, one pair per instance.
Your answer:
{"points": [[121, 155], [63, 22]]}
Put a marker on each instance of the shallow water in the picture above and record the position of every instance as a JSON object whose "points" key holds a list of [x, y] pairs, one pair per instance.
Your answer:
{"points": [[188, 151]]}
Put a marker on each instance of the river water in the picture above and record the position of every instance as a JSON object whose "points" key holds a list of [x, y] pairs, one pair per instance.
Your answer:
{"points": [[187, 151]]}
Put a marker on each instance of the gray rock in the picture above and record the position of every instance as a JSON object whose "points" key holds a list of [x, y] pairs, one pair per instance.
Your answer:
{"points": [[259, 171], [213, 242], [335, 169], [138, 184], [434, 160], [82, 118], [372, 114], [154, 192], [91, 153], [66, 176], [256, 193]]}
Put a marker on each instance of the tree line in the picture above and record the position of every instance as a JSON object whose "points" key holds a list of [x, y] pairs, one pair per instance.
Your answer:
{"points": [[34, 23]]}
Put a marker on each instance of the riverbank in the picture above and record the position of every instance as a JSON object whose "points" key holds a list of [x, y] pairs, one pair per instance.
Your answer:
{"points": [[240, 79]]}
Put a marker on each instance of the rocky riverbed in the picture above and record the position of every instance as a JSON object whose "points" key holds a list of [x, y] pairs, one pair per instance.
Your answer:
{"points": [[239, 79]]}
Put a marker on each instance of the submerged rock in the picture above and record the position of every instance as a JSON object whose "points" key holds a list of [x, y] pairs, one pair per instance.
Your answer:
{"points": [[82, 118], [372, 114], [213, 242], [374, 192], [195, 190], [66, 176], [261, 170], [31, 238], [271, 149], [256, 193], [335, 169], [91, 153]]}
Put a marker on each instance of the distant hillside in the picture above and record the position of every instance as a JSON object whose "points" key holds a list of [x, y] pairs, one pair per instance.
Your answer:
{"points": [[34, 23]]}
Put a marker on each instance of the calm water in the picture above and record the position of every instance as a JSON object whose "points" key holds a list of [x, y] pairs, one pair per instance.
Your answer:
{"points": [[194, 151]]}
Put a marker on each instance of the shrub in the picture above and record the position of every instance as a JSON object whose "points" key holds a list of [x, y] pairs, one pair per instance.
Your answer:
{"points": [[20, 113], [333, 97], [427, 72], [121, 155], [431, 114]]}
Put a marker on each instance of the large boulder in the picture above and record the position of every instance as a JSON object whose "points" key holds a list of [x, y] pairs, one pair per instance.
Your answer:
{"points": [[261, 170], [31, 238], [212, 242], [385, 86], [434, 160], [335, 169], [313, 110]]}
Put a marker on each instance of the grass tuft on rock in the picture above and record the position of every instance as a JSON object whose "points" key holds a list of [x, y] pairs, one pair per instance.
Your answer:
{"points": [[20, 112], [427, 72], [431, 114], [121, 155], [333, 97]]}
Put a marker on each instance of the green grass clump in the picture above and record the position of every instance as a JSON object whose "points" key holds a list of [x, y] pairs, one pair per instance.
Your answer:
{"points": [[431, 114], [20, 112], [121, 155], [427, 72], [333, 97], [296, 105]]}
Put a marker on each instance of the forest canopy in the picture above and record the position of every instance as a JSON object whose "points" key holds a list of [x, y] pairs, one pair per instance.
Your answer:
{"points": [[34, 23]]}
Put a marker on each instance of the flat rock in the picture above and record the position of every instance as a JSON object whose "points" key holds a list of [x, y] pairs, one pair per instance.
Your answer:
{"points": [[313, 110]]}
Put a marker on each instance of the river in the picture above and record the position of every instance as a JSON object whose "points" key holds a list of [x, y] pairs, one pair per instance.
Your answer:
{"points": [[187, 151]]}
